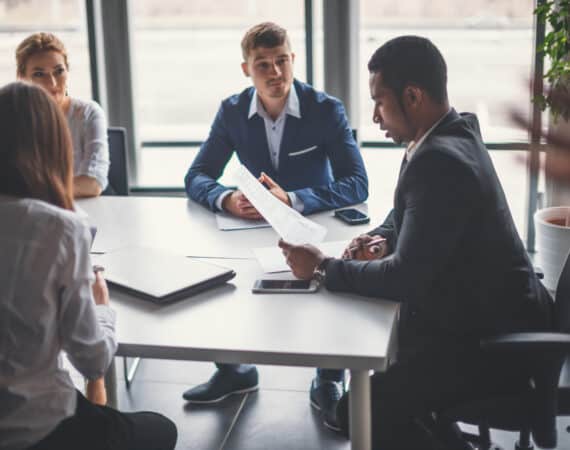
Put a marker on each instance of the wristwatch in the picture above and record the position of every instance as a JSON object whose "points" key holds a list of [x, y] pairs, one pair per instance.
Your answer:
{"points": [[319, 273]]}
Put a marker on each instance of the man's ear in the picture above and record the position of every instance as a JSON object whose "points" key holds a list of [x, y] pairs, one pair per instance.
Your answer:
{"points": [[413, 96], [245, 69]]}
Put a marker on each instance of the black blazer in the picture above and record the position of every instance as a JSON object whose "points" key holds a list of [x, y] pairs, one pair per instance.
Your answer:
{"points": [[457, 263]]}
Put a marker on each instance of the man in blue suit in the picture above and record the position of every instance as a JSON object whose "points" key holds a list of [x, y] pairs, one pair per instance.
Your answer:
{"points": [[298, 142]]}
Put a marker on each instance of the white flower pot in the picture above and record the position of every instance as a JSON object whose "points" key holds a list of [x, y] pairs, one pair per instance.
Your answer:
{"points": [[552, 242]]}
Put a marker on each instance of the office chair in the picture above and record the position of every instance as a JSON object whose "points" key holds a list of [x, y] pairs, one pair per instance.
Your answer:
{"points": [[532, 411], [119, 185], [119, 168]]}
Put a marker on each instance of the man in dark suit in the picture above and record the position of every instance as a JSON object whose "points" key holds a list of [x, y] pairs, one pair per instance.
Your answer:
{"points": [[298, 142], [448, 252]]}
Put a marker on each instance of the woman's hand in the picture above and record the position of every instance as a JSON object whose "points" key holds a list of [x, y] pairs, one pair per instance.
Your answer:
{"points": [[100, 290]]}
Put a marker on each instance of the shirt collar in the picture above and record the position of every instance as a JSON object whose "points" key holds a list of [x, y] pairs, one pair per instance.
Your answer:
{"points": [[292, 106], [413, 146]]}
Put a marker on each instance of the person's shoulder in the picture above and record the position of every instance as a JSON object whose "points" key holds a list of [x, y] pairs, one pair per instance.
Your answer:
{"points": [[86, 109], [454, 147], [307, 92], [69, 221], [238, 101], [309, 97], [51, 219]]}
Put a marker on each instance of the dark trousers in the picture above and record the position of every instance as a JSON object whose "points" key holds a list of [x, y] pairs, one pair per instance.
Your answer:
{"points": [[94, 427], [324, 374], [403, 397]]}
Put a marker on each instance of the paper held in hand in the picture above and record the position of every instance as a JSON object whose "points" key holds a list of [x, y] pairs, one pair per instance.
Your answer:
{"points": [[287, 222]]}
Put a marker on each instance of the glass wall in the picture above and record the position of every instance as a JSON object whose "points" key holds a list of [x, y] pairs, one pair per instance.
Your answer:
{"points": [[488, 47], [187, 58], [64, 18], [487, 44]]}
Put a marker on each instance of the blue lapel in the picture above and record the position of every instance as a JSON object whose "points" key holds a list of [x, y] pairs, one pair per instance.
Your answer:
{"points": [[257, 146], [292, 129]]}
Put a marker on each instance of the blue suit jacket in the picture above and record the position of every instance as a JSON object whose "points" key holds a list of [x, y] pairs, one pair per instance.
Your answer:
{"points": [[330, 174]]}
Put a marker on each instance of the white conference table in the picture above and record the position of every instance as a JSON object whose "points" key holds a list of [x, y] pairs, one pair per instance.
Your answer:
{"points": [[230, 323], [183, 226]]}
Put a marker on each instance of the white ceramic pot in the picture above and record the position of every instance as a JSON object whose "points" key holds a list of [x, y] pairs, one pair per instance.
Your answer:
{"points": [[552, 242]]}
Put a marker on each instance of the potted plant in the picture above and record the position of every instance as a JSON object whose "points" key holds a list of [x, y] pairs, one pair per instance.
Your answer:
{"points": [[552, 224]]}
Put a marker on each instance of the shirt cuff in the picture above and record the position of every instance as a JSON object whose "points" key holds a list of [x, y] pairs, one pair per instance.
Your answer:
{"points": [[221, 198], [296, 203]]}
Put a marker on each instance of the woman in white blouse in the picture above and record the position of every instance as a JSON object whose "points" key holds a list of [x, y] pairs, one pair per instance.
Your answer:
{"points": [[42, 59], [50, 299]]}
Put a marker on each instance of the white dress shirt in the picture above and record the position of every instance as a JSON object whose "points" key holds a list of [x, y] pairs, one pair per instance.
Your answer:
{"points": [[413, 146], [274, 132], [88, 129], [46, 306]]}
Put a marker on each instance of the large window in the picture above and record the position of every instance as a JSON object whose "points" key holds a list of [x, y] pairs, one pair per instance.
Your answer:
{"points": [[187, 59], [64, 18], [488, 46]]}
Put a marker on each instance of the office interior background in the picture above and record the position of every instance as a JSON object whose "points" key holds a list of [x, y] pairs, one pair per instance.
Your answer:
{"points": [[184, 58], [161, 67]]}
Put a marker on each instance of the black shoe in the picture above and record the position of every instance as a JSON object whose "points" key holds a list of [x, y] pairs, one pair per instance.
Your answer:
{"points": [[222, 385], [324, 397]]}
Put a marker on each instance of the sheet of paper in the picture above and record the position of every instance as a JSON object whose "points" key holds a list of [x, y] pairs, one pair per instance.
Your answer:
{"points": [[271, 259], [227, 222], [287, 222]]}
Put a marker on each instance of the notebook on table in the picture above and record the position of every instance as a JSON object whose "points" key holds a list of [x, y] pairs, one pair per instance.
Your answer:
{"points": [[160, 276]]}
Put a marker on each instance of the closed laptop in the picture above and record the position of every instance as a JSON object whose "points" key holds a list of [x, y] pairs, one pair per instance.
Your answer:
{"points": [[159, 276]]}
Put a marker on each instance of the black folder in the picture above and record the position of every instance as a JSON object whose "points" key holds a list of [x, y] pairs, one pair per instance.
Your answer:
{"points": [[160, 276]]}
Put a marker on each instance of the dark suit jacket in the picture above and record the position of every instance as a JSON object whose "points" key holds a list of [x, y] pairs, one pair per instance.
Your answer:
{"points": [[457, 263], [329, 175]]}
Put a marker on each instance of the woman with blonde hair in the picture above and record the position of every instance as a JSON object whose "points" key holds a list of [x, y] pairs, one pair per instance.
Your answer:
{"points": [[50, 300], [41, 58]]}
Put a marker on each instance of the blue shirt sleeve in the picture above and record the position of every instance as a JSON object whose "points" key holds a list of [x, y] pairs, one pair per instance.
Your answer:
{"points": [[200, 181]]}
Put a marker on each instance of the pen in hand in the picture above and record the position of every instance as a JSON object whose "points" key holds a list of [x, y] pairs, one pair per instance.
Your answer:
{"points": [[95, 390], [367, 244]]}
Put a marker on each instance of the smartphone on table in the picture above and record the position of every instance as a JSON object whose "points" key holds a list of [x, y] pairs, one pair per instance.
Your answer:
{"points": [[285, 286], [352, 216]]}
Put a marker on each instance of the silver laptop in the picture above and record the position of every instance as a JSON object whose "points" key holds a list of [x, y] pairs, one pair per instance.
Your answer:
{"points": [[160, 276]]}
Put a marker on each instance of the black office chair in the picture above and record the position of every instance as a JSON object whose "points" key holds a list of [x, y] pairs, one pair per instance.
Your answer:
{"points": [[119, 168], [532, 411], [119, 185]]}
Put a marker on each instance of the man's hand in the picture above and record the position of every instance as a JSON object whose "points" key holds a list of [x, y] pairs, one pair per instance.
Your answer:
{"points": [[100, 290], [366, 248], [274, 188], [238, 205], [303, 259]]}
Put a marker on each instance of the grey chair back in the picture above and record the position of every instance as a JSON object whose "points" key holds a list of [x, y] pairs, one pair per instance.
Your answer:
{"points": [[119, 168]]}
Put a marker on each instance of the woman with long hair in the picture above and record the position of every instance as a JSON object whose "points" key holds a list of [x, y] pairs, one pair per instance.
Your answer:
{"points": [[50, 299], [42, 59]]}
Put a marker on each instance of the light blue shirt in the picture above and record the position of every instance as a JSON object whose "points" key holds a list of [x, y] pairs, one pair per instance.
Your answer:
{"points": [[274, 132]]}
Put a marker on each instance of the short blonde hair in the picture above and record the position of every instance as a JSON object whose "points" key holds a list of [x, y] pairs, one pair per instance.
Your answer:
{"points": [[34, 44], [266, 34]]}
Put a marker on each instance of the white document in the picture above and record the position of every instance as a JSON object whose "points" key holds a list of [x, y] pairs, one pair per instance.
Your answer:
{"points": [[272, 260], [287, 222], [227, 222]]}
